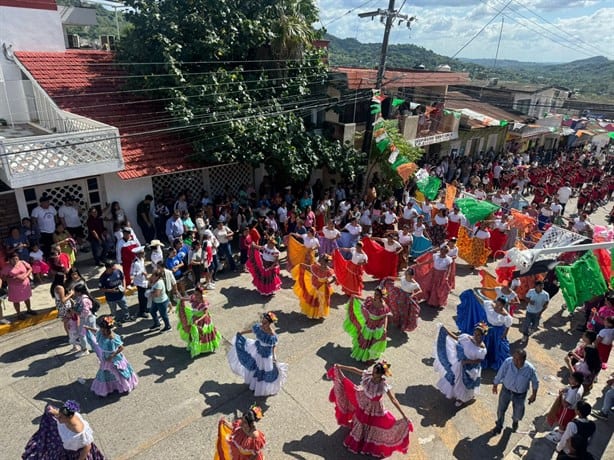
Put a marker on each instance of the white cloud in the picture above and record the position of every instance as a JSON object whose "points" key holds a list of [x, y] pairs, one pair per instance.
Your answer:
{"points": [[577, 34]]}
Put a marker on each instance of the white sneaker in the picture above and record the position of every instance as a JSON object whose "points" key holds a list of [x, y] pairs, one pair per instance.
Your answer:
{"points": [[554, 437], [210, 286], [83, 353]]}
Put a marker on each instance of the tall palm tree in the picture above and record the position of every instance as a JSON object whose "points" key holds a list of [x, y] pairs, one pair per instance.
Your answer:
{"points": [[292, 21]]}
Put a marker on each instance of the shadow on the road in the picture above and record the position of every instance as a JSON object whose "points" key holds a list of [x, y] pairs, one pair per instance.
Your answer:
{"points": [[470, 449], [37, 347], [166, 361], [81, 393], [217, 395], [321, 445], [428, 402], [286, 282], [332, 353], [43, 366], [396, 337], [428, 313], [241, 297], [294, 322], [338, 300], [549, 337], [137, 332]]}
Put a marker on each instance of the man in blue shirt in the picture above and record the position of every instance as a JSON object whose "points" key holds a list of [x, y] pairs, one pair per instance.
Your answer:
{"points": [[515, 375], [113, 285], [536, 302]]}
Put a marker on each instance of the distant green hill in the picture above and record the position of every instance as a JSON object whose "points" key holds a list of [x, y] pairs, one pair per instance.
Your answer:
{"points": [[592, 78]]}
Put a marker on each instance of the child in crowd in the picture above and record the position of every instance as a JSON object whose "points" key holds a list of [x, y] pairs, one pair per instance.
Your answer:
{"points": [[39, 266], [108, 245], [564, 407], [589, 363], [604, 341], [73, 329]]}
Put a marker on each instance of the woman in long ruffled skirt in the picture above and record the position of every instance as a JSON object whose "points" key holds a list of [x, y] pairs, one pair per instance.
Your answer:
{"points": [[115, 373], [263, 265], [367, 324], [373, 429], [195, 325], [256, 360], [403, 300], [313, 287], [241, 440]]}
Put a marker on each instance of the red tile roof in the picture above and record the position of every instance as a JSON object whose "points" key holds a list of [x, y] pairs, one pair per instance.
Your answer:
{"points": [[457, 100], [89, 84], [32, 4], [359, 78]]}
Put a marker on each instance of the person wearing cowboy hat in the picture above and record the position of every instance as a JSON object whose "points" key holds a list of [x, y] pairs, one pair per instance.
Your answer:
{"points": [[138, 273], [156, 255]]}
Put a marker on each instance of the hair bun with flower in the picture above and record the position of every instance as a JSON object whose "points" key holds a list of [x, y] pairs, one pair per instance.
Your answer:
{"points": [[270, 317], [482, 326], [257, 411], [72, 406], [385, 367], [107, 322]]}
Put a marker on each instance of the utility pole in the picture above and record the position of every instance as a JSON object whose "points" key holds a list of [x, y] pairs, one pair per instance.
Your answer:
{"points": [[388, 17]]}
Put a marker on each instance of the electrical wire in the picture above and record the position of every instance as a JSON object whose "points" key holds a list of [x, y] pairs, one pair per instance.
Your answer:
{"points": [[362, 5]]}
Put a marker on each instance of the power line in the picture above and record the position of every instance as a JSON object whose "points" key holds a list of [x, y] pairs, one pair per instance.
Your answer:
{"points": [[348, 12]]}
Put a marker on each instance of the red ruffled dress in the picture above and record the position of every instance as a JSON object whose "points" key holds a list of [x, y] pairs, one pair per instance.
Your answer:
{"points": [[374, 430]]}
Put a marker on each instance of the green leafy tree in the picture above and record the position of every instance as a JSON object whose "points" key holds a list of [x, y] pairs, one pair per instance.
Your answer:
{"points": [[241, 78]]}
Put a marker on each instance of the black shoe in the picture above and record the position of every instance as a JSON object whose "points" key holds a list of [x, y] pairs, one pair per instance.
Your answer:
{"points": [[166, 328], [31, 312], [497, 430], [155, 326], [598, 414], [143, 315], [514, 426]]}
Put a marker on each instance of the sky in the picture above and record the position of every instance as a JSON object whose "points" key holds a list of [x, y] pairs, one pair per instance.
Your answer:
{"points": [[533, 30]]}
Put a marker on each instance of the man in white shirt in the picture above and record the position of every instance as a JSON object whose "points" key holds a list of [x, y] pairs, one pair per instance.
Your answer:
{"points": [[45, 216], [138, 273], [496, 174], [224, 235], [563, 195], [69, 214], [556, 207]]}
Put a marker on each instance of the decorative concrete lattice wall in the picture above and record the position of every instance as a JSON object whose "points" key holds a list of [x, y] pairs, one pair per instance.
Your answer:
{"points": [[232, 175], [190, 181]]}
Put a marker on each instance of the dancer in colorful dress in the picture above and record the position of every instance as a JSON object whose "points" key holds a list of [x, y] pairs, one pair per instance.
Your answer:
{"points": [[373, 429], [115, 373], [437, 287], [313, 287], [406, 239], [349, 272], [403, 300], [458, 360], [241, 440], [439, 229], [421, 243], [63, 434], [263, 265], [195, 325], [367, 324], [256, 360], [328, 242]]}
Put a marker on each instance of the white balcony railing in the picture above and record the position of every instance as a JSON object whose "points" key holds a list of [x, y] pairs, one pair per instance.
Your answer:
{"points": [[34, 160], [75, 147]]}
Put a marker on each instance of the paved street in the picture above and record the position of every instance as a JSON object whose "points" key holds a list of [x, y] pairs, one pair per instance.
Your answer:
{"points": [[173, 413]]}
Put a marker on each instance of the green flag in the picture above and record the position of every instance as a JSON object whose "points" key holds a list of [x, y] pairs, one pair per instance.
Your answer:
{"points": [[581, 281], [396, 102], [383, 145], [429, 187], [503, 123], [475, 210]]}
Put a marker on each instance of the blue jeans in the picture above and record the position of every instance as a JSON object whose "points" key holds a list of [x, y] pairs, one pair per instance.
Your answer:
{"points": [[214, 266], [224, 251], [161, 308], [531, 321], [608, 401], [123, 306], [96, 251], [517, 400]]}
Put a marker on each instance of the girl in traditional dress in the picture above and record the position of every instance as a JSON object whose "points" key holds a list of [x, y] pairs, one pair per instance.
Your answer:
{"points": [[563, 408], [421, 243], [313, 287], [406, 239], [438, 230], [256, 360], [115, 373], [63, 434], [455, 220], [473, 246], [241, 440], [458, 361], [195, 325], [311, 242], [367, 324], [349, 273], [403, 300], [373, 429], [354, 229], [328, 243], [263, 264], [438, 286]]}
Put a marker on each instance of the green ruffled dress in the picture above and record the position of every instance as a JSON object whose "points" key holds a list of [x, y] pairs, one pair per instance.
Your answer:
{"points": [[196, 327], [366, 324]]}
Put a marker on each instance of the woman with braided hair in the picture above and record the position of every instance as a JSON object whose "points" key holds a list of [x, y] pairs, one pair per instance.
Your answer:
{"points": [[256, 360], [373, 429], [241, 440], [458, 360]]}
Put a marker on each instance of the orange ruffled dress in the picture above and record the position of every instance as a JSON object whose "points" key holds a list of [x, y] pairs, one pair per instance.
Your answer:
{"points": [[234, 444]]}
